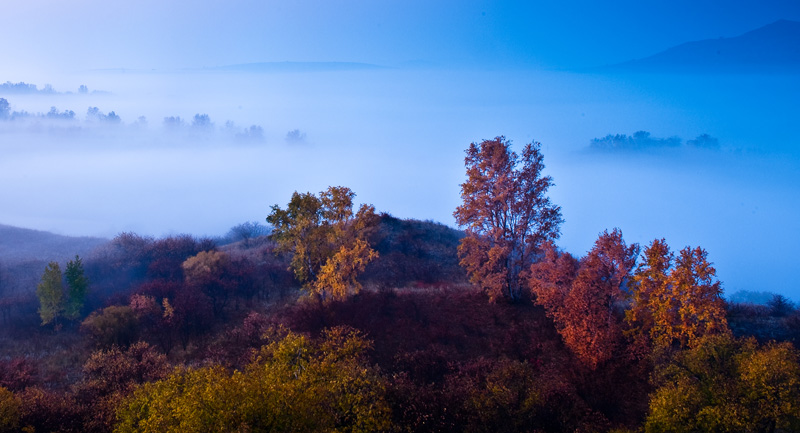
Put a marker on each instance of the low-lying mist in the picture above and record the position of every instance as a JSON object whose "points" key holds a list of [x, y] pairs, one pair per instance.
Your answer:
{"points": [[246, 141]]}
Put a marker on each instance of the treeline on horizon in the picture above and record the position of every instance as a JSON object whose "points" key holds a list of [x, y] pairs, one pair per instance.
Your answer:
{"points": [[28, 88], [643, 140], [67, 121], [340, 318]]}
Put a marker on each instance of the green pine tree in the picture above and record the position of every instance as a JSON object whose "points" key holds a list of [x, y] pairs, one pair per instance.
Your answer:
{"points": [[77, 287]]}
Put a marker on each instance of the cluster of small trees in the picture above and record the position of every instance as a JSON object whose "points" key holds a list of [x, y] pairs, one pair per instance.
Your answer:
{"points": [[511, 225], [668, 312], [293, 384], [58, 300], [181, 298], [199, 125], [642, 140]]}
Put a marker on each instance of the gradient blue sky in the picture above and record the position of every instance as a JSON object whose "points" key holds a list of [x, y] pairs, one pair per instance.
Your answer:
{"points": [[68, 36]]}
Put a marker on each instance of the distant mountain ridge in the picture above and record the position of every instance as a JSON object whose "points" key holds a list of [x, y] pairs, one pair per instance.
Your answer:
{"points": [[297, 67], [256, 67], [772, 48], [19, 244]]}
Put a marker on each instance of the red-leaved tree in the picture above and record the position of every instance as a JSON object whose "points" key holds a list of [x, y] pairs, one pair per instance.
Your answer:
{"points": [[586, 302], [507, 215]]}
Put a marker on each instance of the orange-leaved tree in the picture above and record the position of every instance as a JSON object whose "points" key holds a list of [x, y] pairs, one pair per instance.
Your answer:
{"points": [[507, 215], [327, 239], [585, 299]]}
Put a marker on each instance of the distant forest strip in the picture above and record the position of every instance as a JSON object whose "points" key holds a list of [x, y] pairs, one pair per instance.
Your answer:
{"points": [[200, 126], [26, 88], [643, 140]]}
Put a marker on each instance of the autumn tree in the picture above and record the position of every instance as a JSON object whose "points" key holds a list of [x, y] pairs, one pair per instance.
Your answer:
{"points": [[50, 292], [727, 385], [110, 375], [507, 215], [701, 309], [47, 410], [293, 384], [676, 300], [155, 319], [338, 275], [207, 271], [326, 238], [9, 411], [115, 325], [586, 302]]}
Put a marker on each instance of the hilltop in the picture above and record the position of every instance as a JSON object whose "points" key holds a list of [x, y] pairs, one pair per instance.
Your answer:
{"points": [[20, 244], [772, 48]]}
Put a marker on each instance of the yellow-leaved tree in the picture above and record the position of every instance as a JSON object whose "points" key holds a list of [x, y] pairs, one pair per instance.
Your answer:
{"points": [[727, 385], [9, 411], [294, 384], [327, 240], [676, 301]]}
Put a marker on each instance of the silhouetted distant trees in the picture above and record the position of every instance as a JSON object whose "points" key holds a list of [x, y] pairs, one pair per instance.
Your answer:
{"points": [[64, 115], [704, 141], [173, 122], [200, 125], [643, 140], [247, 231], [253, 133], [26, 88], [295, 136], [19, 88], [94, 113], [202, 122]]}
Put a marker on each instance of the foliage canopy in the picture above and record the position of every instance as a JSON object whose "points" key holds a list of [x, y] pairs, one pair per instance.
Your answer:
{"points": [[293, 384], [507, 215], [327, 239]]}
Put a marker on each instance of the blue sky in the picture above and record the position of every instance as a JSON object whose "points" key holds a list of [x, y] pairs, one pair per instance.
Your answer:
{"points": [[65, 36]]}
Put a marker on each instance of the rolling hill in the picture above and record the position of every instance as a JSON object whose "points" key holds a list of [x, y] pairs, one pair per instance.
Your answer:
{"points": [[19, 244], [772, 48]]}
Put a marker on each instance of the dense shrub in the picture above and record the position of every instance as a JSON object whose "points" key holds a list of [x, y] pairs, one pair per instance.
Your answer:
{"points": [[114, 325], [9, 411]]}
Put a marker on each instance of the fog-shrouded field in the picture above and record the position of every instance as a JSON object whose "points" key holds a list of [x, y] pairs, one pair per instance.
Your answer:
{"points": [[397, 136]]}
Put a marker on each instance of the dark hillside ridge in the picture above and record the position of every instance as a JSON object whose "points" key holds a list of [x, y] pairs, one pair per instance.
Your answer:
{"points": [[414, 253], [19, 244], [774, 48]]}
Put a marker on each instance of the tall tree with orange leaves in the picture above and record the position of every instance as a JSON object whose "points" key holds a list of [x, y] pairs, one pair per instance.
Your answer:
{"points": [[507, 215], [586, 299]]}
